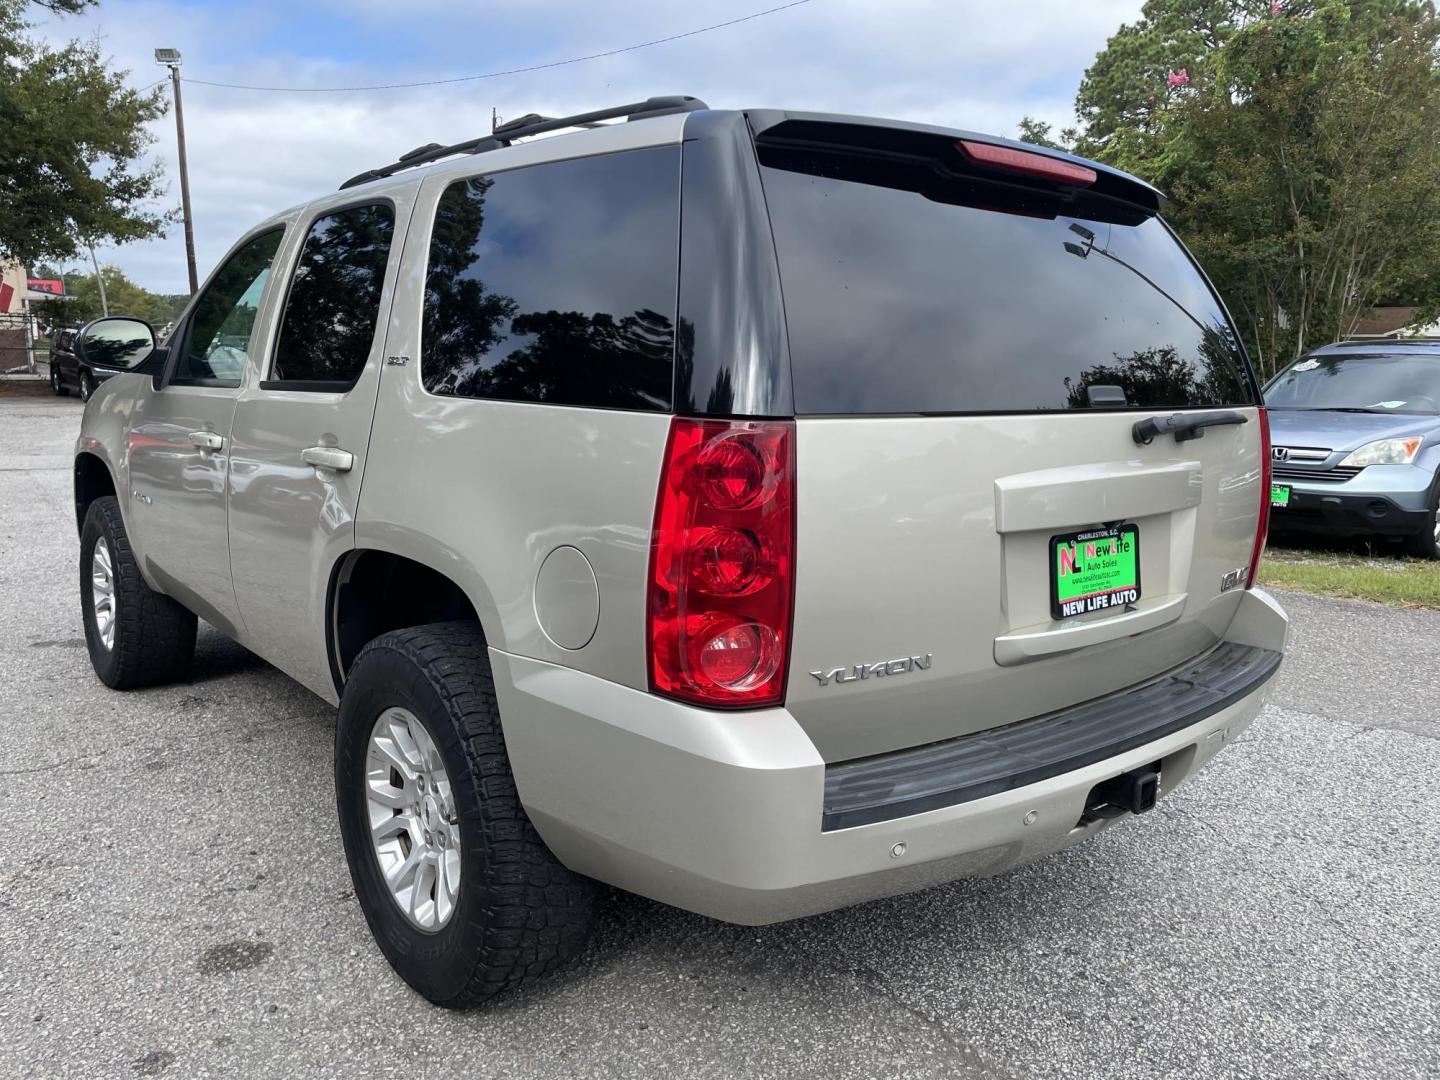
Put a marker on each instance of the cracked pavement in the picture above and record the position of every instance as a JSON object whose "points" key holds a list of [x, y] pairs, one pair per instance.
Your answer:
{"points": [[174, 901]]}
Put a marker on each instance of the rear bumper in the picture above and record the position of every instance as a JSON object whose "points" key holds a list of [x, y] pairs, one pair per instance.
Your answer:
{"points": [[723, 813]]}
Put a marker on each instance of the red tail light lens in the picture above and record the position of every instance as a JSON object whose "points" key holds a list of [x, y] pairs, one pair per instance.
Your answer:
{"points": [[1262, 526], [1024, 163], [721, 563]]}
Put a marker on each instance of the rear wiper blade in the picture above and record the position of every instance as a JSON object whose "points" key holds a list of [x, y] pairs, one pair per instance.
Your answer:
{"points": [[1184, 426], [1352, 408]]}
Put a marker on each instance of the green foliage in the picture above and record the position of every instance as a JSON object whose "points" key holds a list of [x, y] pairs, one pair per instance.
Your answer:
{"points": [[1302, 153], [82, 302], [71, 136], [1124, 104], [1038, 132]]}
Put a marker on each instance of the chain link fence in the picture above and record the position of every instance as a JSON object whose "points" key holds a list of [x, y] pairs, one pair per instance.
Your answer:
{"points": [[19, 354]]}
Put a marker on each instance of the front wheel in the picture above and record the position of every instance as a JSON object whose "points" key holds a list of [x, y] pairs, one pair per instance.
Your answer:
{"points": [[1426, 543], [57, 385], [87, 385], [462, 895], [136, 636]]}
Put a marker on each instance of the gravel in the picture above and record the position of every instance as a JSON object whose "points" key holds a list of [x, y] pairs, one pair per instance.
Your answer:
{"points": [[174, 901]]}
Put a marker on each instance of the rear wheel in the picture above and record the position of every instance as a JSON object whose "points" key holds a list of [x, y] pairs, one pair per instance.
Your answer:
{"points": [[57, 384], [459, 890], [87, 385], [136, 636]]}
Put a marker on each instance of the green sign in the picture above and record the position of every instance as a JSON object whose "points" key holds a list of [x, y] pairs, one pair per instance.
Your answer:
{"points": [[1094, 571], [1279, 494]]}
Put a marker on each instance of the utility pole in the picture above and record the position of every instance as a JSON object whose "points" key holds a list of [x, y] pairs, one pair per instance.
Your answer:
{"points": [[171, 58], [99, 280]]}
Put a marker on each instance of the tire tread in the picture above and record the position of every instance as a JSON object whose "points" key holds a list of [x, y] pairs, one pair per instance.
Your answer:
{"points": [[537, 913], [154, 635]]}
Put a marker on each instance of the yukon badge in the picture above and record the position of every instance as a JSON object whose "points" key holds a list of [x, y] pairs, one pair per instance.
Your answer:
{"points": [[902, 666]]}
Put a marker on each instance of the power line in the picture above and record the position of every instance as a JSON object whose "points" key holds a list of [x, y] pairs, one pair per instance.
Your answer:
{"points": [[498, 74]]}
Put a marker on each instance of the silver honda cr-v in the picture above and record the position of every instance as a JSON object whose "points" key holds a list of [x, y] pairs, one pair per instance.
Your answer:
{"points": [[759, 511]]}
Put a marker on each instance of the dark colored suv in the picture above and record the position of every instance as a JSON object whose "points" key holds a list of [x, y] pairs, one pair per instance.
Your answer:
{"points": [[68, 372]]}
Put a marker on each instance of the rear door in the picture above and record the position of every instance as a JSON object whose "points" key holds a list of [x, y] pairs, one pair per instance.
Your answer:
{"points": [[980, 536], [300, 437]]}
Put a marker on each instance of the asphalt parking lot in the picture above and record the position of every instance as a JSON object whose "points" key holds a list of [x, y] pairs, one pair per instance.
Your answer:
{"points": [[174, 901]]}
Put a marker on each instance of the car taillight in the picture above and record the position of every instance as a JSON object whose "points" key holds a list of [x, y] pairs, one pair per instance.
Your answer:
{"points": [[1262, 526], [722, 563], [1025, 163]]}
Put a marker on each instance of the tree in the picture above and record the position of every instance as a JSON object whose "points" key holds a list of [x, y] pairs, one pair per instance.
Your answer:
{"points": [[71, 136], [1038, 132], [1126, 101], [82, 300], [1300, 143]]}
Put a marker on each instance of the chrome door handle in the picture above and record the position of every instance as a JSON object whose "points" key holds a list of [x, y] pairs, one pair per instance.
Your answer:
{"points": [[207, 440], [328, 457]]}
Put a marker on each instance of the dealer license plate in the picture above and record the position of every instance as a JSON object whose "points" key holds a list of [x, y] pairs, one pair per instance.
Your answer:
{"points": [[1094, 570]]}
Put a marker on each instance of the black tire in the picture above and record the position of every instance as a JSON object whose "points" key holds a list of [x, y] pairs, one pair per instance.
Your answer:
{"points": [[57, 383], [1426, 543], [519, 913], [87, 385], [154, 639]]}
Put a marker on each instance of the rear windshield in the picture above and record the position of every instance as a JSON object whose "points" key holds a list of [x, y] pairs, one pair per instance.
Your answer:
{"points": [[909, 291], [1370, 382]]}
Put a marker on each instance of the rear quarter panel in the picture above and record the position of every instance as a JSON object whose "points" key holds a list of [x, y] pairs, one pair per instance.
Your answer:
{"points": [[484, 490]]}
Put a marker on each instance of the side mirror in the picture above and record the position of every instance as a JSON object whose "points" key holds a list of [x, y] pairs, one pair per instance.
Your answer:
{"points": [[117, 343]]}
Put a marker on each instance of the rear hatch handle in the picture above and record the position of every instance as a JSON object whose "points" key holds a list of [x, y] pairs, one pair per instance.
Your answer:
{"points": [[1184, 426]]}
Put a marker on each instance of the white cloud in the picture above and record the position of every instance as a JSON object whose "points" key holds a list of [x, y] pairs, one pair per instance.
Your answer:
{"points": [[979, 66]]}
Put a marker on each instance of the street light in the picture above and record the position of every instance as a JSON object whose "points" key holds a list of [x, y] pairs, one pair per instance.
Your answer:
{"points": [[171, 58]]}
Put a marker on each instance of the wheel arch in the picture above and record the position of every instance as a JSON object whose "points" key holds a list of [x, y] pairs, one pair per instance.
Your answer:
{"points": [[93, 480], [374, 590]]}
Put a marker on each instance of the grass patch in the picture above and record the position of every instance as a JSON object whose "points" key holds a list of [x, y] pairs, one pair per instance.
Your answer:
{"points": [[1358, 574]]}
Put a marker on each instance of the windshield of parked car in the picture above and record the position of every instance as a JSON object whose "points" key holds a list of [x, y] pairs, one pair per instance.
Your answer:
{"points": [[1359, 382]]}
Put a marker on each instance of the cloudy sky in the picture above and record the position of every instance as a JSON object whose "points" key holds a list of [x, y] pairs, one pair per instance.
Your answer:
{"points": [[976, 64]]}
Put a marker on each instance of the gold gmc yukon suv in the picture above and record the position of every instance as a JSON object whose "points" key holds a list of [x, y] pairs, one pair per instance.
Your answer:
{"points": [[759, 511]]}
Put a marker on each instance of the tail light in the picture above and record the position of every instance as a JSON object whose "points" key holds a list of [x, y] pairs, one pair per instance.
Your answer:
{"points": [[722, 563], [1262, 524], [1026, 163]]}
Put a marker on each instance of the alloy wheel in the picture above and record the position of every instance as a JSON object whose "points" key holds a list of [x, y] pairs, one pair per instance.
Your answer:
{"points": [[414, 825], [102, 592]]}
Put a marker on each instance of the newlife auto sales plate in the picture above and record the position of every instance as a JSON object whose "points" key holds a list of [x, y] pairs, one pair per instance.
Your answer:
{"points": [[1095, 570]]}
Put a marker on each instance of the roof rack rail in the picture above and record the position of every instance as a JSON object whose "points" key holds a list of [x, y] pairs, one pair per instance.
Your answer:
{"points": [[523, 126]]}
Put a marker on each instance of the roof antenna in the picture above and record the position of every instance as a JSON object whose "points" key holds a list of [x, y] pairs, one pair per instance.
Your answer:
{"points": [[494, 120]]}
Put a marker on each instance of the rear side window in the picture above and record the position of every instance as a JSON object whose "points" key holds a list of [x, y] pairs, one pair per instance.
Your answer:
{"points": [[556, 283], [331, 313], [907, 292]]}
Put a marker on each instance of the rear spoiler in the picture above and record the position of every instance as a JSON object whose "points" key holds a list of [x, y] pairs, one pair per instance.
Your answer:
{"points": [[897, 139]]}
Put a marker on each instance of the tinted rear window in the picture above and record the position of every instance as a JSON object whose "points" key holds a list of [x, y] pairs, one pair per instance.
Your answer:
{"points": [[907, 292], [557, 283]]}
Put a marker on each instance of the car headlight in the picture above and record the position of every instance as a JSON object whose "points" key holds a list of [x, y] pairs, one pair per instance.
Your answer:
{"points": [[1386, 452]]}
